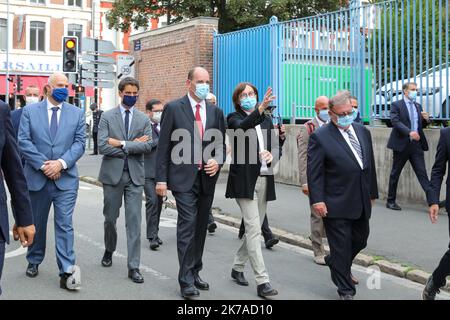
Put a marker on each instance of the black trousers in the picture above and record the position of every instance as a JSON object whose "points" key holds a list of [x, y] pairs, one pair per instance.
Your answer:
{"points": [[443, 270], [265, 230], [94, 137], [346, 239], [153, 207], [414, 153], [193, 209]]}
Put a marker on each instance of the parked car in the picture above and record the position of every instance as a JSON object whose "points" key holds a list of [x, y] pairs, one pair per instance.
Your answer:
{"points": [[433, 93]]}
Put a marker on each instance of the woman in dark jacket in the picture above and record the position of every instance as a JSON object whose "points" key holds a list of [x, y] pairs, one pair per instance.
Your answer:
{"points": [[256, 148]]}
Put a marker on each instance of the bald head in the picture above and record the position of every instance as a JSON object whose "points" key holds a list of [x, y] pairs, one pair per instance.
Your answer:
{"points": [[198, 78], [57, 78]]}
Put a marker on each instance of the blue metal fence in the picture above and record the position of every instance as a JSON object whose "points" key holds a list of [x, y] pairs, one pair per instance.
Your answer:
{"points": [[370, 50]]}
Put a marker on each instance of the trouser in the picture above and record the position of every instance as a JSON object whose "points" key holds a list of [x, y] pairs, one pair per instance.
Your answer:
{"points": [[414, 153], [317, 233], [265, 229], [346, 239], [193, 208], [63, 206], [2, 259], [112, 202], [253, 212], [94, 137], [443, 270], [153, 207], [210, 218]]}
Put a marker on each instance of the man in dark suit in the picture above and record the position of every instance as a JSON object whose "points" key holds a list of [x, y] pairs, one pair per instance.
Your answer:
{"points": [[342, 187], [153, 202], [31, 96], [96, 115], [191, 172], [11, 168], [438, 278], [407, 141], [357, 115]]}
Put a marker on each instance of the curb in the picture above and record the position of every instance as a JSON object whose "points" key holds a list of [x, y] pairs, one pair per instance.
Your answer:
{"points": [[365, 260]]}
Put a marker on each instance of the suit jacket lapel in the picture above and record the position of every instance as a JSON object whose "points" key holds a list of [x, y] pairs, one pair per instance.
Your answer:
{"points": [[406, 109], [119, 119], [209, 116], [187, 109], [62, 121], [340, 139]]}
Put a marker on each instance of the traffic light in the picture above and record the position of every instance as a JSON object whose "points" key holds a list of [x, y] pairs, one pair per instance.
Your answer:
{"points": [[19, 83], [79, 89], [70, 55]]}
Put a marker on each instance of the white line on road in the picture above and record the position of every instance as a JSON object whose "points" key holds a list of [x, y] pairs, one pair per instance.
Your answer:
{"points": [[85, 188], [18, 252], [98, 245]]}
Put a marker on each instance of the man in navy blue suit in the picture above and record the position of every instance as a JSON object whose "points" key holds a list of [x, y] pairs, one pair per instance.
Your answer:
{"points": [[17, 185], [52, 139], [342, 185], [407, 141], [31, 96]]}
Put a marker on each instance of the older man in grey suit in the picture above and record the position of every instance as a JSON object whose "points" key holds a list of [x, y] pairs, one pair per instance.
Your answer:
{"points": [[124, 137]]}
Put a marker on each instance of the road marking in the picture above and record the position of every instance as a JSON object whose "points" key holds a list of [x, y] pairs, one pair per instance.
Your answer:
{"points": [[18, 252], [117, 254], [85, 188]]}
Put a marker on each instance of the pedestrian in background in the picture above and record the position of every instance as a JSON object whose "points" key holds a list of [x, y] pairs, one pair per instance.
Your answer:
{"points": [[96, 115]]}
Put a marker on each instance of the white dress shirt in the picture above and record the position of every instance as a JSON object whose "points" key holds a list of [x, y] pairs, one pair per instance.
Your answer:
{"points": [[58, 115], [202, 109], [347, 139]]}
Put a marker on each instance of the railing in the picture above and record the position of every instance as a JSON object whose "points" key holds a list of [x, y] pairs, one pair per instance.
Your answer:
{"points": [[370, 50]]}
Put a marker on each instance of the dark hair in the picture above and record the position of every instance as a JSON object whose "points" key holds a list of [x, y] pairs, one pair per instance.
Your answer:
{"points": [[128, 81], [151, 103], [407, 84], [237, 92]]}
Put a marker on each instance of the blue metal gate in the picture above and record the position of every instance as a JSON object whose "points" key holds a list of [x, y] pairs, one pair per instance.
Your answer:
{"points": [[370, 50]]}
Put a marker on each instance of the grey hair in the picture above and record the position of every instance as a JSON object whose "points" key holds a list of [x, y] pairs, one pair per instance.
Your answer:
{"points": [[341, 97]]}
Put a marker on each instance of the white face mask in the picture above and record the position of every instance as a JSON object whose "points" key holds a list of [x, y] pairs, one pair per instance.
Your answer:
{"points": [[157, 117], [31, 99]]}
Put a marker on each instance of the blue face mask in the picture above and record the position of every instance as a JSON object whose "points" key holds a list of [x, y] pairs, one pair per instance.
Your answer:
{"points": [[248, 103], [412, 95], [60, 94], [129, 101], [202, 90], [345, 121], [324, 115]]}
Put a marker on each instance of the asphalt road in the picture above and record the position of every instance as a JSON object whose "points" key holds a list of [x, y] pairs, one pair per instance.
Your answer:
{"points": [[291, 269]]}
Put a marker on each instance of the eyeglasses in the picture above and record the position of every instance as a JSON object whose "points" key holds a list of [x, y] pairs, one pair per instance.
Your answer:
{"points": [[247, 95], [341, 115]]}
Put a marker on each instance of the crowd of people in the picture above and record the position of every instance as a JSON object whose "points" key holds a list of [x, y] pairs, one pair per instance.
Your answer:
{"points": [[181, 146]]}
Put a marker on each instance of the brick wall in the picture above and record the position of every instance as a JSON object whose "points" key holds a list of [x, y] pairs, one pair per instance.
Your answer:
{"points": [[57, 1], [19, 44], [56, 34], [167, 55]]}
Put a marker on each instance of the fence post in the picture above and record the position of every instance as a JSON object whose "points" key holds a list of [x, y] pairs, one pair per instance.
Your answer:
{"points": [[274, 70]]}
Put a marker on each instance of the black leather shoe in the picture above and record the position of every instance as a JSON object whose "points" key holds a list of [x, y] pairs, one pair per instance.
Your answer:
{"points": [[135, 275], [239, 277], [430, 290], [393, 206], [241, 234], [159, 240], [271, 242], [266, 290], [189, 292], [200, 284], [32, 270], [154, 244], [212, 227], [107, 259], [345, 297], [442, 203]]}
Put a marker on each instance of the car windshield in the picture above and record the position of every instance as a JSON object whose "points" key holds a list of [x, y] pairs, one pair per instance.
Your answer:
{"points": [[435, 69]]}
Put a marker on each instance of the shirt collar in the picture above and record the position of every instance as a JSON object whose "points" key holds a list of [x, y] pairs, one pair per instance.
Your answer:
{"points": [[408, 101], [51, 105], [350, 127], [123, 109], [194, 103], [321, 123]]}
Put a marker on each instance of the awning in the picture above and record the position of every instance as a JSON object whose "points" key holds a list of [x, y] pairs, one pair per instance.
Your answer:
{"points": [[39, 81]]}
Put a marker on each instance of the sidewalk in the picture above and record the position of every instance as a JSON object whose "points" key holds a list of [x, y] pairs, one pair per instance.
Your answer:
{"points": [[406, 236]]}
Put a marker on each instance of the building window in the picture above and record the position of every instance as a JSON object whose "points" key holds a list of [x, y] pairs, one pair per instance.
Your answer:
{"points": [[37, 1], [75, 3], [77, 31], [37, 36], [3, 30]]}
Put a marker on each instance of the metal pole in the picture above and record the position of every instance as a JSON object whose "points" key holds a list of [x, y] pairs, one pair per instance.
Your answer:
{"points": [[7, 53]]}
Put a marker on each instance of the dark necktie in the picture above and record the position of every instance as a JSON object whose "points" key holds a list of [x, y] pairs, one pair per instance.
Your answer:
{"points": [[198, 121], [54, 123], [355, 144], [155, 128]]}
